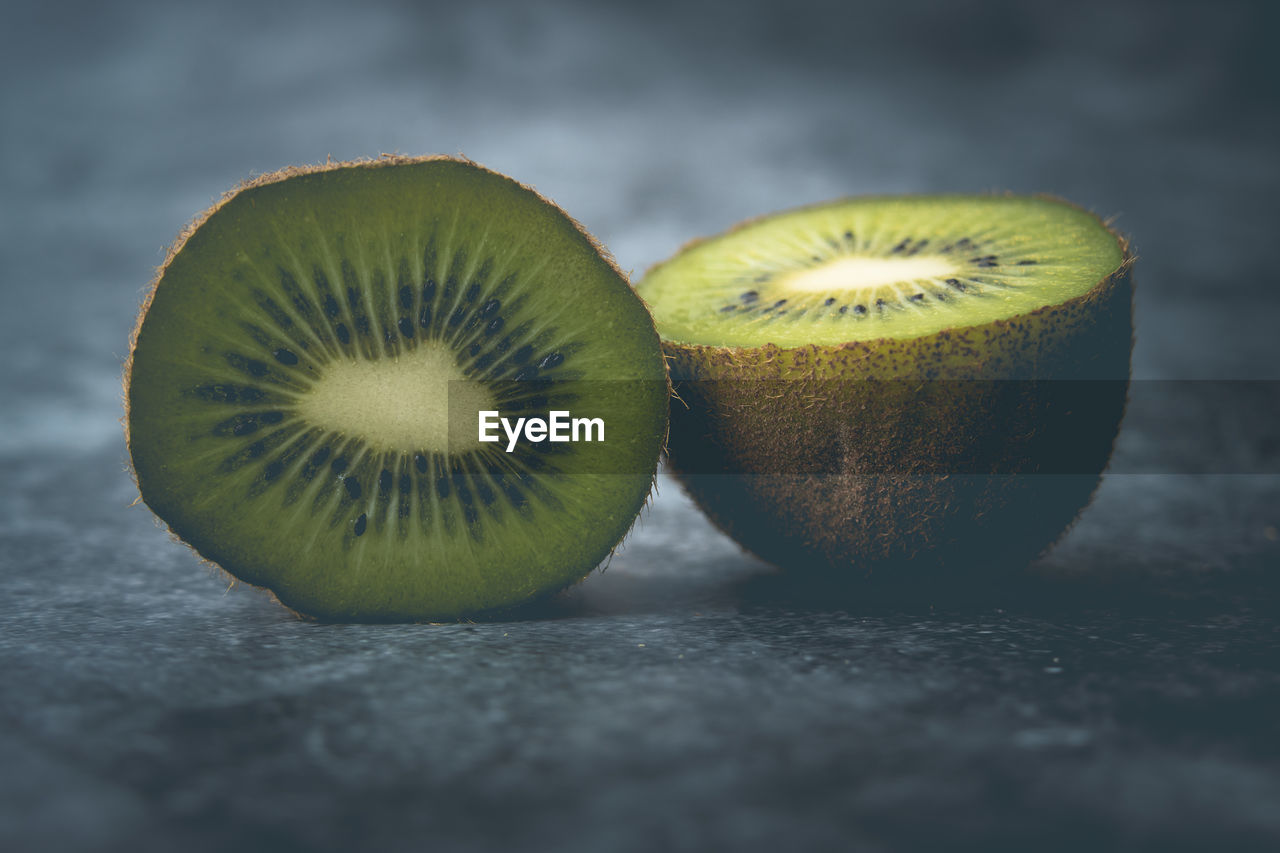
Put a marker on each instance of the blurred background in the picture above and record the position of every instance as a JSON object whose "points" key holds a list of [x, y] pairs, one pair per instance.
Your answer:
{"points": [[1124, 698]]}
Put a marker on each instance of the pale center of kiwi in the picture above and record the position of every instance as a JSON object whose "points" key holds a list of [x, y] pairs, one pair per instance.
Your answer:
{"points": [[401, 403], [855, 272]]}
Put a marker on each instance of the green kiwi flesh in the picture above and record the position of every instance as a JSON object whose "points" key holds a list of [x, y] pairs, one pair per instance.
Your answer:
{"points": [[893, 388], [305, 380]]}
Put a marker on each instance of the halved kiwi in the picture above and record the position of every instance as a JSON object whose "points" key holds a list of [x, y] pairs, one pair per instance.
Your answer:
{"points": [[893, 387], [306, 380]]}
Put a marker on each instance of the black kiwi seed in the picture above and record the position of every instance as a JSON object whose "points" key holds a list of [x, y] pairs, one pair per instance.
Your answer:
{"points": [[522, 355], [284, 356], [553, 360], [845, 308], [273, 310], [442, 487], [493, 326], [353, 487], [406, 484], [339, 464], [460, 486], [218, 393], [240, 425], [749, 297], [917, 297], [473, 293], [343, 334], [830, 300], [779, 303], [253, 451], [406, 297], [259, 336], [848, 236], [512, 491], [859, 309], [384, 481], [300, 302], [956, 283], [728, 308], [490, 307], [406, 327], [424, 317], [247, 365], [361, 524], [273, 470], [291, 453], [420, 462]]}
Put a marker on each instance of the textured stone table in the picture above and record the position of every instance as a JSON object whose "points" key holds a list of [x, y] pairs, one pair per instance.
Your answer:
{"points": [[1124, 695]]}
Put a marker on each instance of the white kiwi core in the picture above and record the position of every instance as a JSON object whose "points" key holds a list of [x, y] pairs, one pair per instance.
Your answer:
{"points": [[400, 403], [854, 272]]}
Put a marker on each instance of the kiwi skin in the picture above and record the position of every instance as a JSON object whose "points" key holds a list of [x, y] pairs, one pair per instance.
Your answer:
{"points": [[307, 610], [862, 461]]}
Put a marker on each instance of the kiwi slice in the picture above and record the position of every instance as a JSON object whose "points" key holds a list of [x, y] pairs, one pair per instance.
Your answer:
{"points": [[887, 387], [307, 379]]}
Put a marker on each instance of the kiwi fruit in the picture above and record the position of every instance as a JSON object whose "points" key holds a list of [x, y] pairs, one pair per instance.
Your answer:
{"points": [[898, 388], [306, 382]]}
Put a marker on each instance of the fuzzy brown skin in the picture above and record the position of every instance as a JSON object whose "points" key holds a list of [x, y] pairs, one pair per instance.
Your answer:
{"points": [[895, 459]]}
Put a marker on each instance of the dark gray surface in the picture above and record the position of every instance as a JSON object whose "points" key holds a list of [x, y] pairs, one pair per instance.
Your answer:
{"points": [[1123, 697]]}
